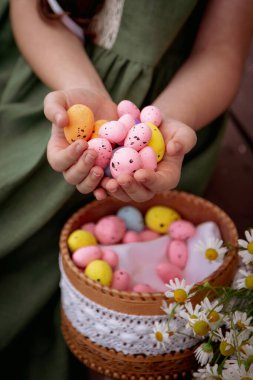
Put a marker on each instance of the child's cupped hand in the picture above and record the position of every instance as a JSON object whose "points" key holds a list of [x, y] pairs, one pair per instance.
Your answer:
{"points": [[75, 161], [179, 139]]}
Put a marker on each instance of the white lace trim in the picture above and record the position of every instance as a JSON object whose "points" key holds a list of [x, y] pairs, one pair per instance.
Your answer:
{"points": [[130, 334], [107, 23]]}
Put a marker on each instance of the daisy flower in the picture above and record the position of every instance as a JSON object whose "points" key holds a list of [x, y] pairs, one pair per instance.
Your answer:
{"points": [[178, 290], [240, 321], [212, 311], [246, 247], [160, 334], [234, 371], [208, 373], [204, 353], [247, 352], [227, 342], [190, 313], [211, 249], [171, 309], [246, 281]]}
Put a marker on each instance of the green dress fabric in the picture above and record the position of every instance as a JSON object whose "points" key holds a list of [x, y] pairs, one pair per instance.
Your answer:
{"points": [[35, 201]]}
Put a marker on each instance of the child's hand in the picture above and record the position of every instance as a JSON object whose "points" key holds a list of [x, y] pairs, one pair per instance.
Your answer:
{"points": [[75, 161], [179, 139]]}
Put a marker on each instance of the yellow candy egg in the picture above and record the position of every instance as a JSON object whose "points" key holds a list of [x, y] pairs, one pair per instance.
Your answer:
{"points": [[81, 121], [156, 142], [80, 238], [96, 127], [100, 271], [158, 218]]}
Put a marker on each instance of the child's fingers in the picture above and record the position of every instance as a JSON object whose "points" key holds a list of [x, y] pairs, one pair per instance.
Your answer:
{"points": [[182, 140], [55, 108], [89, 184], [136, 191], [76, 173], [61, 157], [100, 194]]}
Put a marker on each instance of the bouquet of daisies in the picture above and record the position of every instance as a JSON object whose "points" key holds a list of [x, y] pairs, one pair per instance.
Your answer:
{"points": [[224, 323]]}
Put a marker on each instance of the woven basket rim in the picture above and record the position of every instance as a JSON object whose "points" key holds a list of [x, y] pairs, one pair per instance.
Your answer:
{"points": [[130, 295]]}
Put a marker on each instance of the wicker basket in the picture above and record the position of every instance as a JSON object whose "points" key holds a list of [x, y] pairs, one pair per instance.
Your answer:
{"points": [[110, 361]]}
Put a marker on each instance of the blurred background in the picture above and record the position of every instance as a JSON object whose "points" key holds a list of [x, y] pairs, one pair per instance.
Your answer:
{"points": [[231, 187]]}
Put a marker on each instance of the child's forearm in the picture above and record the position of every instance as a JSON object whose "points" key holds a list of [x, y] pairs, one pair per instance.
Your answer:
{"points": [[207, 83], [56, 55]]}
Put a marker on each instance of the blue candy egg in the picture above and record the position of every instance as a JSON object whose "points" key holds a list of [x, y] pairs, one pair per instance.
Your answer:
{"points": [[132, 217]]}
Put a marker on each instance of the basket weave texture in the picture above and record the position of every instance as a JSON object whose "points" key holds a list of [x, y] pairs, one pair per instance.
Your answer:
{"points": [[108, 361]]}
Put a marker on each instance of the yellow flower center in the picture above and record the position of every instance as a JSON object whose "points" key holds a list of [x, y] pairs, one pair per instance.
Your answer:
{"points": [[249, 282], [250, 247], [159, 336], [180, 295], [226, 349], [240, 325], [201, 328], [213, 316], [211, 254]]}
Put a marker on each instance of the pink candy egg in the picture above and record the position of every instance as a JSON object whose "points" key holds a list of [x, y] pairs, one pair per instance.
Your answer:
{"points": [[110, 229], [151, 114], [110, 257], [113, 131], [83, 256], [143, 288], [148, 235], [120, 280], [148, 158], [167, 271], [125, 106], [138, 136], [89, 227], [125, 160], [104, 150], [178, 253], [127, 120], [181, 230], [131, 237]]}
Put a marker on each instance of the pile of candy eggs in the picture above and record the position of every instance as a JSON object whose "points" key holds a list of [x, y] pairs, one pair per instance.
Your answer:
{"points": [[132, 142], [90, 253]]}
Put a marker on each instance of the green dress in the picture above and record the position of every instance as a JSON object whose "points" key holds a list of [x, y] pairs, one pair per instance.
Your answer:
{"points": [[36, 201]]}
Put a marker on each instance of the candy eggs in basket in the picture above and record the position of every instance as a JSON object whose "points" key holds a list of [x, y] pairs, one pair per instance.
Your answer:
{"points": [[108, 327], [123, 146]]}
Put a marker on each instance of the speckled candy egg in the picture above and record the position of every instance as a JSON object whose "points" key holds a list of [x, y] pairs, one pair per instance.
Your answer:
{"points": [[167, 271], [138, 137], [157, 141], [181, 230], [131, 237], [132, 217], [89, 227], [114, 131], [151, 114], [148, 158], [96, 128], [110, 229], [104, 150], [143, 288], [120, 280], [110, 257], [148, 235], [126, 106], [178, 253], [158, 218], [125, 160], [80, 238], [100, 271], [81, 121], [83, 256], [127, 120]]}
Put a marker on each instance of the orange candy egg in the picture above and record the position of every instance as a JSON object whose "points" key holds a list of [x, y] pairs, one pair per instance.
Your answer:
{"points": [[81, 122], [96, 127]]}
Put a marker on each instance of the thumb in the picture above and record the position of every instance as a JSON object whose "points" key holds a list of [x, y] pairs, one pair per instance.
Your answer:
{"points": [[182, 140], [55, 108]]}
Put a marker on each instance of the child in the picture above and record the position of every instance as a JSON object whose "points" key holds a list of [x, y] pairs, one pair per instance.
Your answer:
{"points": [[186, 57]]}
